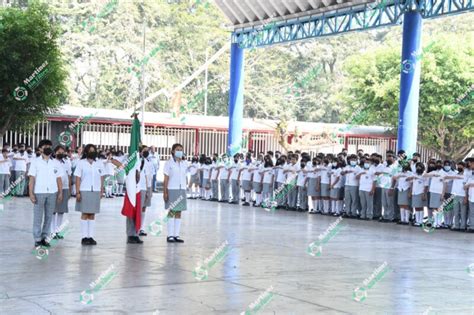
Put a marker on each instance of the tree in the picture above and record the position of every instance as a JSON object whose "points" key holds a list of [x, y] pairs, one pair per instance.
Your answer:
{"points": [[31, 72], [447, 72]]}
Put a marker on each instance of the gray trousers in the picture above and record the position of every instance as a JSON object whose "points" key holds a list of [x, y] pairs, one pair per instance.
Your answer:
{"points": [[471, 215], [280, 194], [303, 197], [448, 215], [215, 188], [351, 199], [224, 189], [460, 213], [4, 182], [388, 204], [131, 227], [43, 214], [378, 202], [367, 204], [292, 195], [20, 188], [235, 191]]}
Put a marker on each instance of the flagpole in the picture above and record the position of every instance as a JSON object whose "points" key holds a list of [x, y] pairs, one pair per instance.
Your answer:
{"points": [[143, 76]]}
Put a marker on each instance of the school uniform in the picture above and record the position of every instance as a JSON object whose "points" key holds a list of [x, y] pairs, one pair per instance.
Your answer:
{"points": [[459, 208], [257, 182], [19, 170], [149, 184], [120, 176], [378, 193], [90, 189], [336, 190], [403, 196], [280, 186], [291, 180], [419, 185], [470, 200], [366, 183], [436, 199], [224, 181], [267, 191], [62, 207], [302, 190], [448, 215], [109, 181], [385, 181], [351, 190], [5, 166], [176, 193], [206, 181], [45, 173], [214, 182], [325, 191], [234, 177]]}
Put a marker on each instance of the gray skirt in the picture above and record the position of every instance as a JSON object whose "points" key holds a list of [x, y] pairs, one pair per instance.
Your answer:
{"points": [[267, 188], [403, 199], [246, 185], [335, 193], [206, 183], [62, 206], [90, 202], [312, 188], [176, 200], [324, 190], [195, 179], [257, 187], [435, 201], [417, 202]]}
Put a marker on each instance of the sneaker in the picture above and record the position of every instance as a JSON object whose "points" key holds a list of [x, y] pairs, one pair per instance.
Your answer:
{"points": [[170, 239], [38, 244], [142, 233], [246, 204], [178, 240], [134, 240], [44, 243], [85, 241], [92, 241]]}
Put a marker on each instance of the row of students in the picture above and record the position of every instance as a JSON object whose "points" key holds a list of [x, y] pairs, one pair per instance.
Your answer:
{"points": [[358, 186]]}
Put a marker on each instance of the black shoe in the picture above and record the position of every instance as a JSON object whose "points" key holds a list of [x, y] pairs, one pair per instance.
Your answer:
{"points": [[178, 240], [455, 229], [56, 236], [134, 240], [246, 204], [469, 231], [85, 241], [170, 239], [38, 244], [92, 241], [44, 243], [142, 233]]}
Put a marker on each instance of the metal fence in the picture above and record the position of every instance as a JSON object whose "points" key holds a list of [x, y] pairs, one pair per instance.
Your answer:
{"points": [[29, 137]]}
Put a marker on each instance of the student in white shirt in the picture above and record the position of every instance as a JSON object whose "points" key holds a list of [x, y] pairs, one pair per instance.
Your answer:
{"points": [[206, 178], [45, 190], [214, 179], [235, 170], [419, 189], [194, 181], [351, 188], [325, 185], [448, 185], [174, 191], [5, 166], [224, 176], [257, 180], [458, 194], [336, 187], [366, 178], [146, 191], [313, 184], [469, 199], [280, 182], [89, 174], [20, 159], [404, 192], [436, 190], [268, 179], [110, 180], [291, 171], [247, 175], [61, 207], [301, 183]]}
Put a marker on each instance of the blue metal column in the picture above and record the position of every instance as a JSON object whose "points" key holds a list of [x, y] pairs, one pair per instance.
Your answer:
{"points": [[236, 99], [410, 82]]}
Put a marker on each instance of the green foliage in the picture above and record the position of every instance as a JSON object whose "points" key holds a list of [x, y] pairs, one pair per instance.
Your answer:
{"points": [[27, 40]]}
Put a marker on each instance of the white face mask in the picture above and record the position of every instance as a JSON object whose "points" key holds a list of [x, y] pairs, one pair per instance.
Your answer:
{"points": [[366, 165]]}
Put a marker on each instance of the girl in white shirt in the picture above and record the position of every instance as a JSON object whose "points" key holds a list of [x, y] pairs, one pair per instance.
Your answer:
{"points": [[268, 179], [206, 178], [61, 207], [418, 194], [302, 185], [89, 174], [458, 194], [336, 188], [194, 178], [404, 194]]}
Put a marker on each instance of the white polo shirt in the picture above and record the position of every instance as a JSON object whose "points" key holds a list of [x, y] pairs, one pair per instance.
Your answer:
{"points": [[20, 165], [325, 179], [351, 179], [246, 173], [235, 169], [193, 168], [458, 185], [206, 171], [471, 189], [45, 173], [149, 169], [268, 175], [334, 175], [257, 173], [403, 184], [176, 173], [436, 183], [419, 183], [366, 180], [301, 177], [280, 175], [5, 166], [66, 172], [90, 174], [224, 170]]}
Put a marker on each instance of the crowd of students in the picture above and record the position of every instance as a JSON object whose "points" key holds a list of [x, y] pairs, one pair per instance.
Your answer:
{"points": [[367, 187]]}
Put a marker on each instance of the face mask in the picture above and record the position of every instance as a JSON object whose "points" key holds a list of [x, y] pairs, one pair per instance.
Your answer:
{"points": [[314, 163], [59, 156], [389, 162], [15, 150], [460, 170], [47, 151], [38, 154], [366, 165], [419, 171], [179, 154], [447, 168], [28, 151], [92, 155], [303, 165], [236, 161], [438, 167], [353, 163], [415, 160], [376, 162], [146, 154], [22, 151]]}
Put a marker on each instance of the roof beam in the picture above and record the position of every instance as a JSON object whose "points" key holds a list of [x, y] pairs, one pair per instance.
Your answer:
{"points": [[237, 17], [301, 5], [226, 11], [254, 10], [244, 11]]}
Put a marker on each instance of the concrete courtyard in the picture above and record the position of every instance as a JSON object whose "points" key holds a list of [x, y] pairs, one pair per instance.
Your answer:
{"points": [[426, 273]]}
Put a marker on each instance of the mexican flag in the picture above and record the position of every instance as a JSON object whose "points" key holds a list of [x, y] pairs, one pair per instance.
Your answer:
{"points": [[131, 204]]}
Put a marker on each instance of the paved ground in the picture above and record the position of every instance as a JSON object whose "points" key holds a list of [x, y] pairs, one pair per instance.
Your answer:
{"points": [[427, 272]]}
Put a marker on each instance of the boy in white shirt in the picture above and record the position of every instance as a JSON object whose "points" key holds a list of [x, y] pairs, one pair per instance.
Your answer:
{"points": [[5, 166], [458, 194], [469, 199], [419, 188], [257, 181], [20, 159], [291, 171], [235, 170], [45, 190], [302, 185], [366, 178], [224, 176], [247, 174], [351, 189], [214, 180]]}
